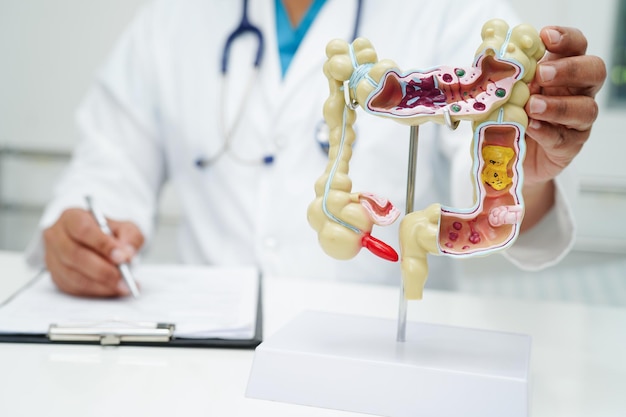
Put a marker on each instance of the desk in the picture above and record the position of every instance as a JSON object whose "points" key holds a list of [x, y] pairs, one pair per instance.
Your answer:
{"points": [[578, 357]]}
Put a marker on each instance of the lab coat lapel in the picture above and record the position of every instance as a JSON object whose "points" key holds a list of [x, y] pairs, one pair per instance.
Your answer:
{"points": [[335, 20]]}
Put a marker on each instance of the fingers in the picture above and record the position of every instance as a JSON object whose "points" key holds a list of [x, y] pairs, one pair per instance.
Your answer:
{"points": [[559, 144], [83, 228], [562, 108], [79, 256], [76, 283], [574, 112], [129, 240], [553, 145], [566, 81], [76, 268], [566, 66], [563, 41], [583, 74]]}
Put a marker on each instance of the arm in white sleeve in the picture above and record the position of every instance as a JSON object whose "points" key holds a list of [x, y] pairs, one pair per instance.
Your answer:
{"points": [[119, 159]]}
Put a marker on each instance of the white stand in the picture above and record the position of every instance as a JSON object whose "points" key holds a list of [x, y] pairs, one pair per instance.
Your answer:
{"points": [[354, 364]]}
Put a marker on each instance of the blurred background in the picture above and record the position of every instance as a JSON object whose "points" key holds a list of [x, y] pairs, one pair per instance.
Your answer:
{"points": [[50, 49]]}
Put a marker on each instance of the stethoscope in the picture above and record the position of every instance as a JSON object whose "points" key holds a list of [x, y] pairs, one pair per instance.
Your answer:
{"points": [[246, 27]]}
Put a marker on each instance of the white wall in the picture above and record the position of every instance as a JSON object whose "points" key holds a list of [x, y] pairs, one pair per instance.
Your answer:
{"points": [[49, 50]]}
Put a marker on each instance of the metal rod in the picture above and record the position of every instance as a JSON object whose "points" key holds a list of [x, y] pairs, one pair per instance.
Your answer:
{"points": [[410, 200]]}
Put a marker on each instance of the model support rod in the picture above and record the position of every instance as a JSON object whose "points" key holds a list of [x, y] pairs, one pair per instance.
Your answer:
{"points": [[410, 199]]}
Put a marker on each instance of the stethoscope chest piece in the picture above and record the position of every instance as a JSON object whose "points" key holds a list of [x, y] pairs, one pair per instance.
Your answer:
{"points": [[322, 136], [245, 27]]}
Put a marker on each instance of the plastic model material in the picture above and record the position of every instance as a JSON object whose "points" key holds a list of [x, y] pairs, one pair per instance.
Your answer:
{"points": [[491, 94]]}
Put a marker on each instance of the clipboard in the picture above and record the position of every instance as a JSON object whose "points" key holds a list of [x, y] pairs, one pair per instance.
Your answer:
{"points": [[131, 332]]}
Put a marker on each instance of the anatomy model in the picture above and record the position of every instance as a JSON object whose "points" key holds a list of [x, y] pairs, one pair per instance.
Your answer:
{"points": [[491, 94]]}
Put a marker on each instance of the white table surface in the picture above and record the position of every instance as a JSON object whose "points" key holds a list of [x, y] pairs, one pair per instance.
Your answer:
{"points": [[578, 357]]}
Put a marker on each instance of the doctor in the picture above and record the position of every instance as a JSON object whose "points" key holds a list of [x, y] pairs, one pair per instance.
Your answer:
{"points": [[243, 148]]}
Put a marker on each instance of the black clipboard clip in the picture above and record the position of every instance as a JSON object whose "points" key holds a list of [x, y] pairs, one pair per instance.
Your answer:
{"points": [[112, 333]]}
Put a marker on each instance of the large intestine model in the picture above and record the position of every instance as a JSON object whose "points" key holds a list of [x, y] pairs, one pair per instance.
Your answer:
{"points": [[491, 94]]}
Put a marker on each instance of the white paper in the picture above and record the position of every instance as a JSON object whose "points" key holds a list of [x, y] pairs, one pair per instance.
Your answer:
{"points": [[202, 302]]}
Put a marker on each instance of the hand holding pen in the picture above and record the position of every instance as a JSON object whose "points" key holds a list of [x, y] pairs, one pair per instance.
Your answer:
{"points": [[83, 260]]}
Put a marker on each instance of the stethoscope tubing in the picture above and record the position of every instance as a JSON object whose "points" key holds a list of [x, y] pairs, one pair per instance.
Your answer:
{"points": [[247, 27]]}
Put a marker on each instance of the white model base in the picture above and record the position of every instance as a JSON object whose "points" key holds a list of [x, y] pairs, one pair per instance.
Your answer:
{"points": [[354, 363]]}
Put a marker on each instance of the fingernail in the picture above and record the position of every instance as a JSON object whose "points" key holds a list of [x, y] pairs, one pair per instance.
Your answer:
{"points": [[118, 256], [123, 288], [123, 254], [554, 36], [130, 251], [547, 72], [537, 105], [534, 124]]}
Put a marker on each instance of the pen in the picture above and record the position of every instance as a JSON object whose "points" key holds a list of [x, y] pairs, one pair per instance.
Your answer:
{"points": [[104, 226]]}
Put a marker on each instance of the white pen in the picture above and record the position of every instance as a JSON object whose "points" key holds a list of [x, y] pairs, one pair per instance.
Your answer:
{"points": [[104, 226]]}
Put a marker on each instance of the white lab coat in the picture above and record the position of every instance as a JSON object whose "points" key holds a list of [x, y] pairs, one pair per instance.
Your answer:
{"points": [[155, 109]]}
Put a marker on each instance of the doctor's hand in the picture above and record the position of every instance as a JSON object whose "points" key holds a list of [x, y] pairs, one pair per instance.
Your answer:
{"points": [[562, 106], [82, 260], [561, 110]]}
